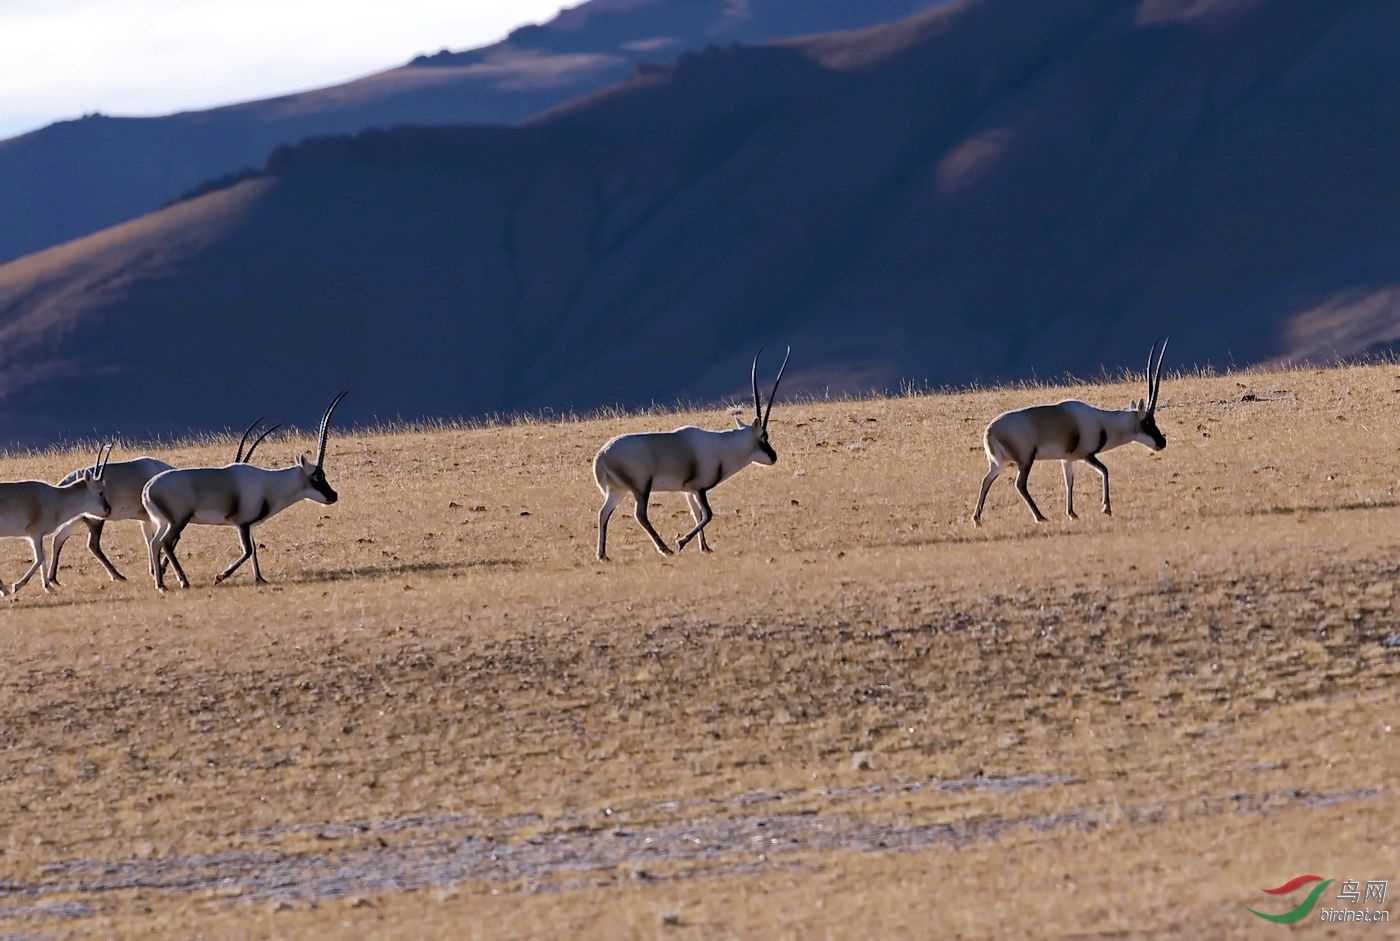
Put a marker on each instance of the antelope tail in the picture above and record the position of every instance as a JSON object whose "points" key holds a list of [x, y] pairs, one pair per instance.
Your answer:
{"points": [[600, 475]]}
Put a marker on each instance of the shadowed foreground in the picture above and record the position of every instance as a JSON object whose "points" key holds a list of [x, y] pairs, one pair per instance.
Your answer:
{"points": [[859, 716]]}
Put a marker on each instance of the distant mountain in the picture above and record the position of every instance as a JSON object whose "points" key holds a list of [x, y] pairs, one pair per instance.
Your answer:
{"points": [[995, 189], [76, 177]]}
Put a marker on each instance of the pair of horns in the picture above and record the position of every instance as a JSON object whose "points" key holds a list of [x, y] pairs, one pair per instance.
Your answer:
{"points": [[321, 433], [760, 414], [240, 457], [104, 454], [1154, 374]]}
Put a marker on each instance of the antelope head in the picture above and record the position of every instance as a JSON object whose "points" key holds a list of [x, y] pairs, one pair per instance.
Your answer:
{"points": [[319, 488], [762, 452], [1147, 432]]}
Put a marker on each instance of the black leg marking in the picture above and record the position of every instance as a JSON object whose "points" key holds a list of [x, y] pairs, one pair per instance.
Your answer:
{"points": [[1023, 473], [172, 539], [643, 496], [703, 502], [95, 547], [1093, 461], [245, 536]]}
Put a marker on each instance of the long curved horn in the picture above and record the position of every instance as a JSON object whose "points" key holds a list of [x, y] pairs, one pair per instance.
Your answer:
{"points": [[238, 458], [100, 465], [1154, 375], [753, 377], [325, 427], [248, 458], [1150, 354], [772, 396]]}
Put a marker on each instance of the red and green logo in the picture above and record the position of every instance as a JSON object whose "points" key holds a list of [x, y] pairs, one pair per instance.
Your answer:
{"points": [[1301, 912]]}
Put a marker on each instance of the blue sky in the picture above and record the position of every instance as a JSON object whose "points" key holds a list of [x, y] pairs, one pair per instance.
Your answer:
{"points": [[64, 58]]}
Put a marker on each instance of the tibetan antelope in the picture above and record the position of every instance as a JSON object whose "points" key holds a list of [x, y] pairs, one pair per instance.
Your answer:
{"points": [[1070, 431], [123, 483], [237, 494], [35, 508], [691, 460]]}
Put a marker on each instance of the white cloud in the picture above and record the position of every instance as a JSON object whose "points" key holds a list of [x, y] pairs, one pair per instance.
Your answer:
{"points": [[63, 58]]}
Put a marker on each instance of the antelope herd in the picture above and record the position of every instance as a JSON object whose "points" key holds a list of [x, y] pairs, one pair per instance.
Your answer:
{"points": [[690, 460]]}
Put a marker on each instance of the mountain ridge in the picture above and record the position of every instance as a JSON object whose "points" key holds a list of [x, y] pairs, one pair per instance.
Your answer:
{"points": [[991, 197], [75, 177]]}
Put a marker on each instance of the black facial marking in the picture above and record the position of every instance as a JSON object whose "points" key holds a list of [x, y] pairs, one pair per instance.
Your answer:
{"points": [[767, 449], [1149, 427], [317, 479]]}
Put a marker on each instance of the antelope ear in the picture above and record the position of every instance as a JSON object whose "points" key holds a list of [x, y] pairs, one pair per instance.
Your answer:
{"points": [[304, 460], [1136, 405], [739, 422]]}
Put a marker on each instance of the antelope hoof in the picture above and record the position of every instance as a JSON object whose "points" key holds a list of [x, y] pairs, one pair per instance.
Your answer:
{"points": [[1072, 515], [664, 550], [1108, 511], [705, 548], [602, 558], [259, 580], [116, 577]]}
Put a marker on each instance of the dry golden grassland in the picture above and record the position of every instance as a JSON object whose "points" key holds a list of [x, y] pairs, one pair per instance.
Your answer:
{"points": [[859, 717]]}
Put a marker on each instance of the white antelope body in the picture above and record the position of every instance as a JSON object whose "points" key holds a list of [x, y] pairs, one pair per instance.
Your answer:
{"points": [[237, 494], [1070, 431], [689, 460], [33, 509], [123, 484]]}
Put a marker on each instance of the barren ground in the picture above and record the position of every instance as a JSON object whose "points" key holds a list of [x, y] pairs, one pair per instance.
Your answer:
{"points": [[860, 716]]}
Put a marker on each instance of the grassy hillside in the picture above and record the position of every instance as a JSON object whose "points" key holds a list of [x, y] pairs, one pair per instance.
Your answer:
{"points": [[860, 715]]}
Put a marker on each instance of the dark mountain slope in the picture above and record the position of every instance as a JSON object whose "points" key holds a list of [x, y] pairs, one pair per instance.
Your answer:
{"points": [[76, 177], [992, 190]]}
